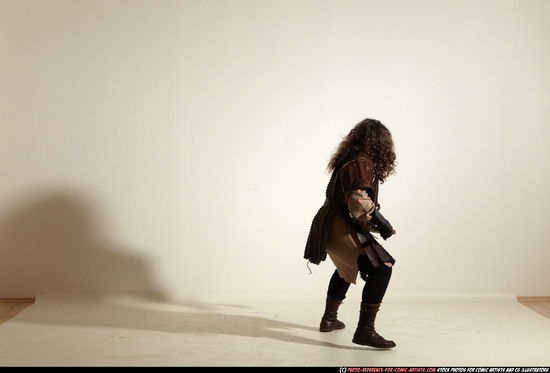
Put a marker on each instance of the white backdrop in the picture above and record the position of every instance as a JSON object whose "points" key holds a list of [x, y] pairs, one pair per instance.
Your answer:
{"points": [[181, 146]]}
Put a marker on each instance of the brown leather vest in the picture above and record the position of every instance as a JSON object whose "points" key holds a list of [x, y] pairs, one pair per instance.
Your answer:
{"points": [[355, 174]]}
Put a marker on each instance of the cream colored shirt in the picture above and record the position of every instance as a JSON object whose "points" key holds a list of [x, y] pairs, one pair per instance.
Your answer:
{"points": [[361, 208], [360, 205]]}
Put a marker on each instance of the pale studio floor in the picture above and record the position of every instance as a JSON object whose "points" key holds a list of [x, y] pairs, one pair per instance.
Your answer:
{"points": [[139, 330]]}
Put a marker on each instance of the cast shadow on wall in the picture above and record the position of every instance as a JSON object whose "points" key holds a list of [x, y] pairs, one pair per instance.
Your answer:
{"points": [[53, 243]]}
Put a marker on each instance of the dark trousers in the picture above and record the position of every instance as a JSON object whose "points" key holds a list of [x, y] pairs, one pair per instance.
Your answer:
{"points": [[376, 282]]}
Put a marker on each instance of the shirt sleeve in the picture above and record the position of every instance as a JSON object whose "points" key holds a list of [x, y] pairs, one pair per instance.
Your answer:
{"points": [[360, 205]]}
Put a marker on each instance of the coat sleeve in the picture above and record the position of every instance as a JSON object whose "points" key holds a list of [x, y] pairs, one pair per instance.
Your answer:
{"points": [[360, 205]]}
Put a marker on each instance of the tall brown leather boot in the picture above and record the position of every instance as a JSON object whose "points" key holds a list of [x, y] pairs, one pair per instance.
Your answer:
{"points": [[329, 322], [365, 334]]}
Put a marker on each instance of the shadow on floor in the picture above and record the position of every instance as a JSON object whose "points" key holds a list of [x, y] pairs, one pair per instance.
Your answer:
{"points": [[152, 313]]}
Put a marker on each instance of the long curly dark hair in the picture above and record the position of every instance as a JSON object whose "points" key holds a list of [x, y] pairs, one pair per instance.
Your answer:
{"points": [[372, 139]]}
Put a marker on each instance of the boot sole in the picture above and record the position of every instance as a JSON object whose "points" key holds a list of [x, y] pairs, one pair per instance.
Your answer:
{"points": [[371, 345], [330, 330]]}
